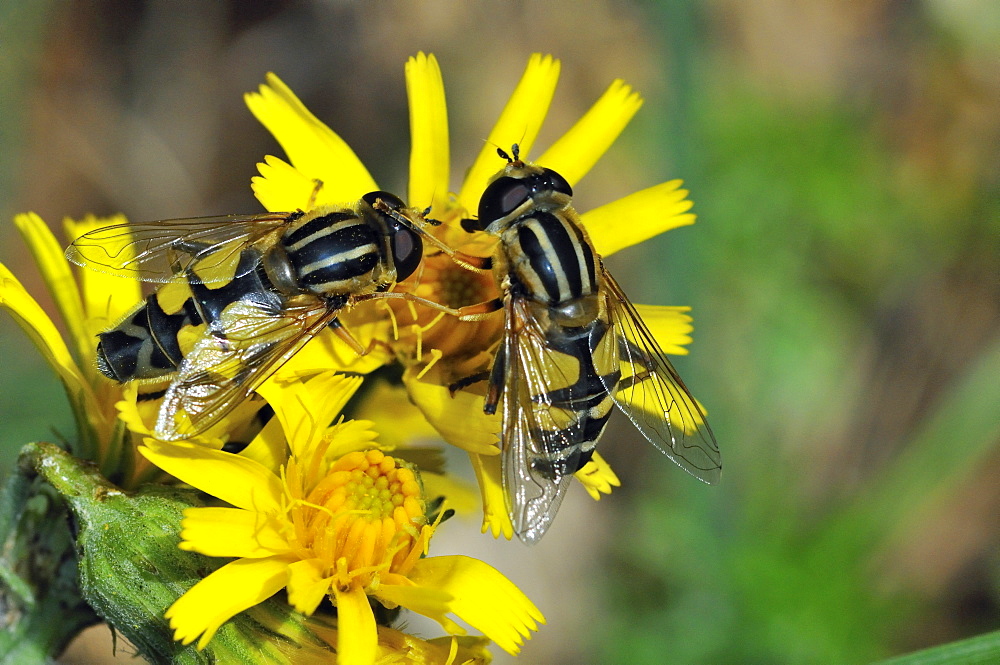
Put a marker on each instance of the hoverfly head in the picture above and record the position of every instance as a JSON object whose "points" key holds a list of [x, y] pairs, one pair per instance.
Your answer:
{"points": [[521, 189], [404, 240]]}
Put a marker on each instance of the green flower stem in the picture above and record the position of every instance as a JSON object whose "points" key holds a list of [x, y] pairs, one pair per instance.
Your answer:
{"points": [[979, 650], [43, 606]]}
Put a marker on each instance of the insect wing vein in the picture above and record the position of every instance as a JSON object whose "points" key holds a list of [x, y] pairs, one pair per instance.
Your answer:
{"points": [[533, 433], [654, 397], [238, 353], [156, 251]]}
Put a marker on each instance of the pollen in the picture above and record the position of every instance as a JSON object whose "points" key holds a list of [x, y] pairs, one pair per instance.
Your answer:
{"points": [[460, 287], [364, 517]]}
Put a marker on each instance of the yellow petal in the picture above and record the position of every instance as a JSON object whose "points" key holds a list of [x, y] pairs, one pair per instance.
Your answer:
{"points": [[280, 187], [518, 123], [350, 436], [495, 517], [327, 351], [268, 448], [106, 297], [357, 636], [232, 532], [597, 477], [407, 423], [429, 159], [459, 419], [51, 259], [307, 407], [638, 217], [224, 594], [312, 147], [43, 333], [472, 590], [237, 480], [671, 327], [306, 586], [460, 494], [573, 155]]}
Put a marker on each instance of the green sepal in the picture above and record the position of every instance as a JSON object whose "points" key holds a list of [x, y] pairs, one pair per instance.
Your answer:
{"points": [[131, 570]]}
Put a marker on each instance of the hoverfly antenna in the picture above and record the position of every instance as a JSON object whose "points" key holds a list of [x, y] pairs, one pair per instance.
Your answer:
{"points": [[504, 155], [516, 150], [428, 220]]}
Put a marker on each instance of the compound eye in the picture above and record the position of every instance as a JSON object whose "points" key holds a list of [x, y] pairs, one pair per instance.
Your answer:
{"points": [[390, 200], [503, 196], [407, 250], [558, 183]]}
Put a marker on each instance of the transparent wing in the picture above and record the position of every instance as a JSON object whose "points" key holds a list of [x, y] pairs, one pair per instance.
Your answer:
{"points": [[655, 398], [155, 251], [240, 350], [536, 433]]}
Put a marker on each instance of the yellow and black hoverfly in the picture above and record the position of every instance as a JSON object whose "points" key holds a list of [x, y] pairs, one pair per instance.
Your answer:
{"points": [[255, 287], [573, 346]]}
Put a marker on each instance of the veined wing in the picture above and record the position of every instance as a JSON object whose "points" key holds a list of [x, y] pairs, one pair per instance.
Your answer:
{"points": [[236, 354], [156, 251], [655, 398], [537, 434]]}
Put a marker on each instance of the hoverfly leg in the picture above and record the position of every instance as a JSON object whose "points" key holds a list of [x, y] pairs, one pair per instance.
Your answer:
{"points": [[317, 186], [343, 333], [497, 376], [467, 381], [479, 311]]}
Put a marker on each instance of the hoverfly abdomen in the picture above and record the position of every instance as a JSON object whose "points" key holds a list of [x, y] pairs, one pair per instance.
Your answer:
{"points": [[146, 344]]}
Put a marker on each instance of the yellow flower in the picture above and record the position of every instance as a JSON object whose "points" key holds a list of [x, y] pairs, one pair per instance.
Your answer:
{"points": [[339, 520], [437, 349]]}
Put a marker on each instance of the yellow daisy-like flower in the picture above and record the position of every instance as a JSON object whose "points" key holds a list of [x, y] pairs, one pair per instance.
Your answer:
{"points": [[437, 349], [339, 520]]}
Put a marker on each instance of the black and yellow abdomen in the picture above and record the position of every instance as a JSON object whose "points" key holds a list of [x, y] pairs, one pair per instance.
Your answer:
{"points": [[151, 341]]}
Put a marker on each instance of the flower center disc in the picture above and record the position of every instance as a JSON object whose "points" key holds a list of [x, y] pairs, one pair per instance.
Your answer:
{"points": [[365, 515]]}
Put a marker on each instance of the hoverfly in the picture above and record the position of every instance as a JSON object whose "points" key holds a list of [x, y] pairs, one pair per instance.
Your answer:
{"points": [[572, 347], [253, 288]]}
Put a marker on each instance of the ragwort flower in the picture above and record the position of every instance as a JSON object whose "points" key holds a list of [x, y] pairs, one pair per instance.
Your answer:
{"points": [[340, 519], [436, 349]]}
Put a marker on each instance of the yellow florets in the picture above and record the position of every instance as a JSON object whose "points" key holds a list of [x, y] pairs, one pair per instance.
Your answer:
{"points": [[366, 515]]}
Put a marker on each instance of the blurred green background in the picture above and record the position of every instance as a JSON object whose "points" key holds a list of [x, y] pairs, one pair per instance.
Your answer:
{"points": [[844, 272]]}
